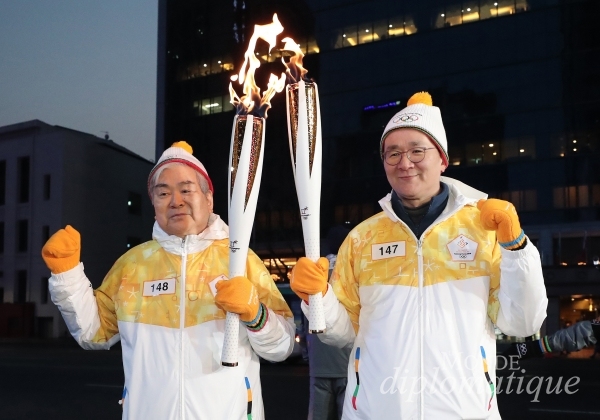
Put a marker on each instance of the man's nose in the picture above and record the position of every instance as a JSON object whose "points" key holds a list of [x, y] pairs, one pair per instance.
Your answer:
{"points": [[405, 162], [176, 200]]}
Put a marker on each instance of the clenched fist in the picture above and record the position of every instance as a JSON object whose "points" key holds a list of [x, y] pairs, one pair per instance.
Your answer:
{"points": [[238, 296], [309, 278], [501, 216], [61, 252]]}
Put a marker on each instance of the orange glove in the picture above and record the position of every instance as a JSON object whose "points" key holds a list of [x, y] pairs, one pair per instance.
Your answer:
{"points": [[61, 252], [239, 296], [310, 278], [501, 216]]}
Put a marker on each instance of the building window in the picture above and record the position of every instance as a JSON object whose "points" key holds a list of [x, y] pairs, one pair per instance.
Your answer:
{"points": [[44, 290], [213, 105], [2, 182], [523, 200], [132, 241], [22, 235], [575, 250], [21, 287], [134, 203], [1, 237], [47, 187], [494, 151], [571, 197], [23, 179], [45, 233]]}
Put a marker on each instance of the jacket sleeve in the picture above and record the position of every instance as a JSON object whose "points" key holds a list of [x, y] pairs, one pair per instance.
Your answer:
{"points": [[89, 315], [572, 338], [275, 341], [519, 298], [341, 303]]}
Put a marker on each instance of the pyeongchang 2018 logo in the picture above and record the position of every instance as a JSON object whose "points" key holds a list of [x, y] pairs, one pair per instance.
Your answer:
{"points": [[232, 246], [406, 118], [462, 248], [304, 213]]}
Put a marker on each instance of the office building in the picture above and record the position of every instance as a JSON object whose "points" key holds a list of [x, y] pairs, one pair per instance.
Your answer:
{"points": [[515, 81], [51, 176]]}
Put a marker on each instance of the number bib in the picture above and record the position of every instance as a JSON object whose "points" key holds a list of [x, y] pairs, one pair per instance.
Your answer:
{"points": [[388, 250], [159, 287]]}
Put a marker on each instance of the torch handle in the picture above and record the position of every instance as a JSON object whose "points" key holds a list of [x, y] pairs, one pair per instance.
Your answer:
{"points": [[316, 314], [229, 357]]}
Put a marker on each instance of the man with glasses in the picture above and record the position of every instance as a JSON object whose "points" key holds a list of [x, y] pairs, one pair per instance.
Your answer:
{"points": [[418, 288]]}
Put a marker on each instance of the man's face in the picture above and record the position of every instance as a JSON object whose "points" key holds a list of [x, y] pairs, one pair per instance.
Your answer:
{"points": [[180, 206], [415, 183]]}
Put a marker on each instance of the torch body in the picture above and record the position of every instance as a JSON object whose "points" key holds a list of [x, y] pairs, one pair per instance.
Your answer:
{"points": [[245, 171], [304, 133]]}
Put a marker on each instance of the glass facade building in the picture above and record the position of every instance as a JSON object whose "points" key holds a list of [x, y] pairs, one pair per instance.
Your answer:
{"points": [[516, 82]]}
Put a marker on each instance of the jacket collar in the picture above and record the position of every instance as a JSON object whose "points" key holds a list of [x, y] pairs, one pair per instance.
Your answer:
{"points": [[217, 229], [459, 195]]}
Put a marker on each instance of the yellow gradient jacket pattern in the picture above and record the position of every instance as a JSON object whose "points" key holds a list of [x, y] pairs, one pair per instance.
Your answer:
{"points": [[420, 312], [158, 300]]}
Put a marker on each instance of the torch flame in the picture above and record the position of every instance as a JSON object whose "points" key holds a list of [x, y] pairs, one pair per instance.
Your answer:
{"points": [[295, 71], [247, 103]]}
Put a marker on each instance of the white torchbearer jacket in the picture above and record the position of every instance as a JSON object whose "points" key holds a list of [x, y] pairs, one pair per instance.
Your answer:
{"points": [[157, 300], [419, 312]]}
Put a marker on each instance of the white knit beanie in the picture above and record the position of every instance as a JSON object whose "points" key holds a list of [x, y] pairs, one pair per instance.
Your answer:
{"points": [[420, 114], [180, 152]]}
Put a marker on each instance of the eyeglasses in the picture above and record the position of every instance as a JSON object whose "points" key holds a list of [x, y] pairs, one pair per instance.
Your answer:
{"points": [[415, 155]]}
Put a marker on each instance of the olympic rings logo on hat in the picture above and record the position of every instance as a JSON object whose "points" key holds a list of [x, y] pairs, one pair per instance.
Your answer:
{"points": [[405, 118]]}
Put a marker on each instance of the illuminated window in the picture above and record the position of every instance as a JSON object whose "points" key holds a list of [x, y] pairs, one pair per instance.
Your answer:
{"points": [[213, 105], [575, 249], [572, 197], [523, 200], [280, 268]]}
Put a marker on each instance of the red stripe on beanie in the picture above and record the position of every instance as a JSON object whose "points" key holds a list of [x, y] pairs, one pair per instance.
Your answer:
{"points": [[185, 162]]}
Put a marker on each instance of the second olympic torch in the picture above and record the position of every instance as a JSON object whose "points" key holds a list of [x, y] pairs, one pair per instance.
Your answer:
{"points": [[304, 133], [245, 168]]}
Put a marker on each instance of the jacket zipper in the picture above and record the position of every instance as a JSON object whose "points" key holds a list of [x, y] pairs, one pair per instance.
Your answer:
{"points": [[421, 320], [419, 242], [181, 328]]}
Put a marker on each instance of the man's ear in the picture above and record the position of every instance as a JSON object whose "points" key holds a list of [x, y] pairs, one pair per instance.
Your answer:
{"points": [[209, 198]]}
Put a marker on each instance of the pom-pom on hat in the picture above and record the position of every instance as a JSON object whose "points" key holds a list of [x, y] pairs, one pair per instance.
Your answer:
{"points": [[420, 114], [180, 152]]}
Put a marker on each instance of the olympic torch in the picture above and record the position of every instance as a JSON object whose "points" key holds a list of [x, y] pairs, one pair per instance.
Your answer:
{"points": [[245, 168], [304, 133]]}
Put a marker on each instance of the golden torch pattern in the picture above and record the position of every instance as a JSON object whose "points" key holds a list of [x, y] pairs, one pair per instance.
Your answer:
{"points": [[311, 119], [237, 140]]}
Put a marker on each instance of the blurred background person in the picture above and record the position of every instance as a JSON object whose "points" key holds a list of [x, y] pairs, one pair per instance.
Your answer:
{"points": [[328, 365]]}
